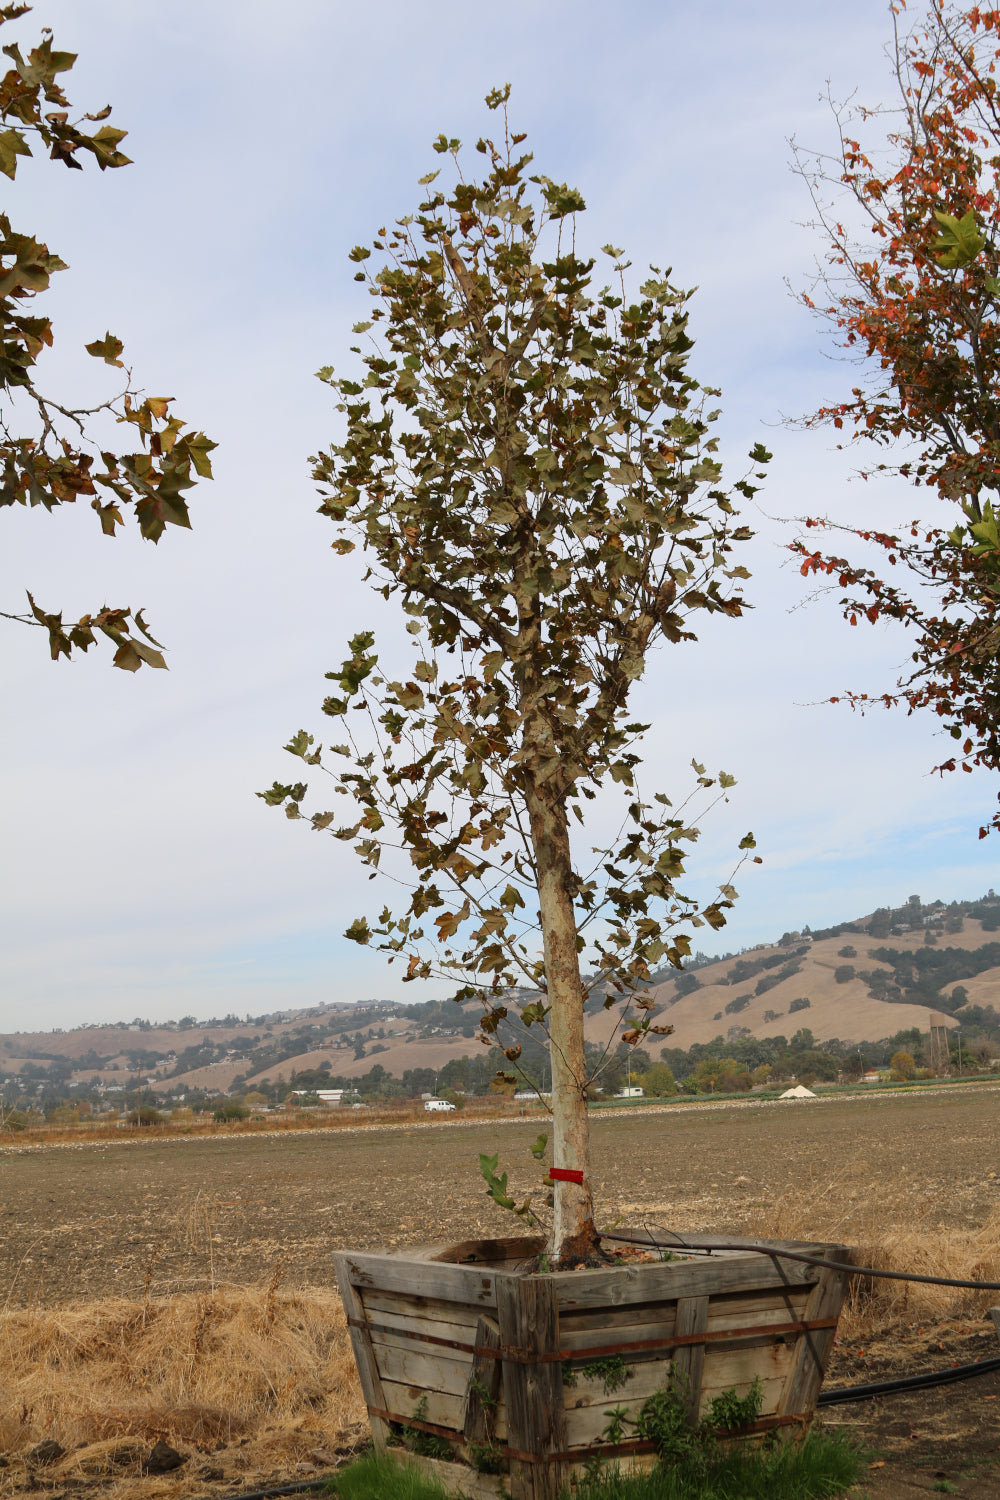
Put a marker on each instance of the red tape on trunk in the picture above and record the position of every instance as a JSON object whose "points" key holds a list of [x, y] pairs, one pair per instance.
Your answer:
{"points": [[565, 1174]]}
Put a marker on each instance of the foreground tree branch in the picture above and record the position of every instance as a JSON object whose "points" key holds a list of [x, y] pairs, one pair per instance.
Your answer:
{"points": [[56, 462]]}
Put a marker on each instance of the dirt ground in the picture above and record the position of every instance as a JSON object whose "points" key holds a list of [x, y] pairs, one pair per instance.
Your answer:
{"points": [[125, 1218]]}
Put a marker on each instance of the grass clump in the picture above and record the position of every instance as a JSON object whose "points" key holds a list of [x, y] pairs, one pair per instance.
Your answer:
{"points": [[821, 1466], [374, 1478]]}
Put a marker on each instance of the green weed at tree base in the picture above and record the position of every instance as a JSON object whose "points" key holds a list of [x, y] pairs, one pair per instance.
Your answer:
{"points": [[823, 1465], [373, 1478]]}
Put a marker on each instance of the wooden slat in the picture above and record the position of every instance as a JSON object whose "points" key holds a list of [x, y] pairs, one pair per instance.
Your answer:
{"points": [[741, 1310], [726, 1366], [533, 1393], [813, 1353], [482, 1392], [730, 1369], [657, 1344], [644, 1378], [416, 1312], [628, 1285], [434, 1370], [580, 1330], [423, 1338], [443, 1409], [587, 1424], [465, 1285], [364, 1356], [772, 1387], [576, 1327], [689, 1360]]}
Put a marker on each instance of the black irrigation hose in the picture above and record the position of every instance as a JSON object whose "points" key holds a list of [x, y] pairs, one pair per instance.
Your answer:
{"points": [[776, 1252], [841, 1394], [302, 1488]]}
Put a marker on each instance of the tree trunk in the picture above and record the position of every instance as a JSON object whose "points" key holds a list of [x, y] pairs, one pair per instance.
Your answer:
{"points": [[573, 1232]]}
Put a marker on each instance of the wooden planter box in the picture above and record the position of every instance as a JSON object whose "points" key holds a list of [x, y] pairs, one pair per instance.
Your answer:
{"points": [[458, 1344]]}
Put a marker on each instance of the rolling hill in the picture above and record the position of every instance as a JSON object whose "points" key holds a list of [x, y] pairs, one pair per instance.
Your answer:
{"points": [[861, 981]]}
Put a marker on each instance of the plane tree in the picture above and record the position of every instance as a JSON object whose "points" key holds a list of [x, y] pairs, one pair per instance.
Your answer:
{"points": [[527, 466]]}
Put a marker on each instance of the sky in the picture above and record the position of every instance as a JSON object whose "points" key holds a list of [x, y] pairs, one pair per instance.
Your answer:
{"points": [[141, 876]]}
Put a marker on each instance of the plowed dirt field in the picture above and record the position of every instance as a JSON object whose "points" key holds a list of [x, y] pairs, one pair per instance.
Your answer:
{"points": [[131, 1217]]}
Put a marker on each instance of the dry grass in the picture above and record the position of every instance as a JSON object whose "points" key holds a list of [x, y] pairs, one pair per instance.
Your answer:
{"points": [[246, 1382], [891, 1236]]}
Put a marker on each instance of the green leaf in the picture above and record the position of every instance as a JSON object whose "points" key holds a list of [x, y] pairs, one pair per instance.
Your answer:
{"points": [[300, 744], [960, 240], [104, 144], [495, 1186], [359, 932], [538, 1149], [12, 145], [561, 200], [276, 795], [199, 447]]}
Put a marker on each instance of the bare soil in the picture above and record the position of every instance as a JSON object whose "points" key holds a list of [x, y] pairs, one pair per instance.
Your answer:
{"points": [[86, 1221]]}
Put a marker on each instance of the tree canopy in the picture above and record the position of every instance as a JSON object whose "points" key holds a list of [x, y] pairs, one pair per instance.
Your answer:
{"points": [[48, 455], [528, 467], [916, 300]]}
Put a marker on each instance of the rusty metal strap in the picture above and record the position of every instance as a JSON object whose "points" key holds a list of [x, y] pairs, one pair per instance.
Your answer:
{"points": [[515, 1355], [577, 1455]]}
